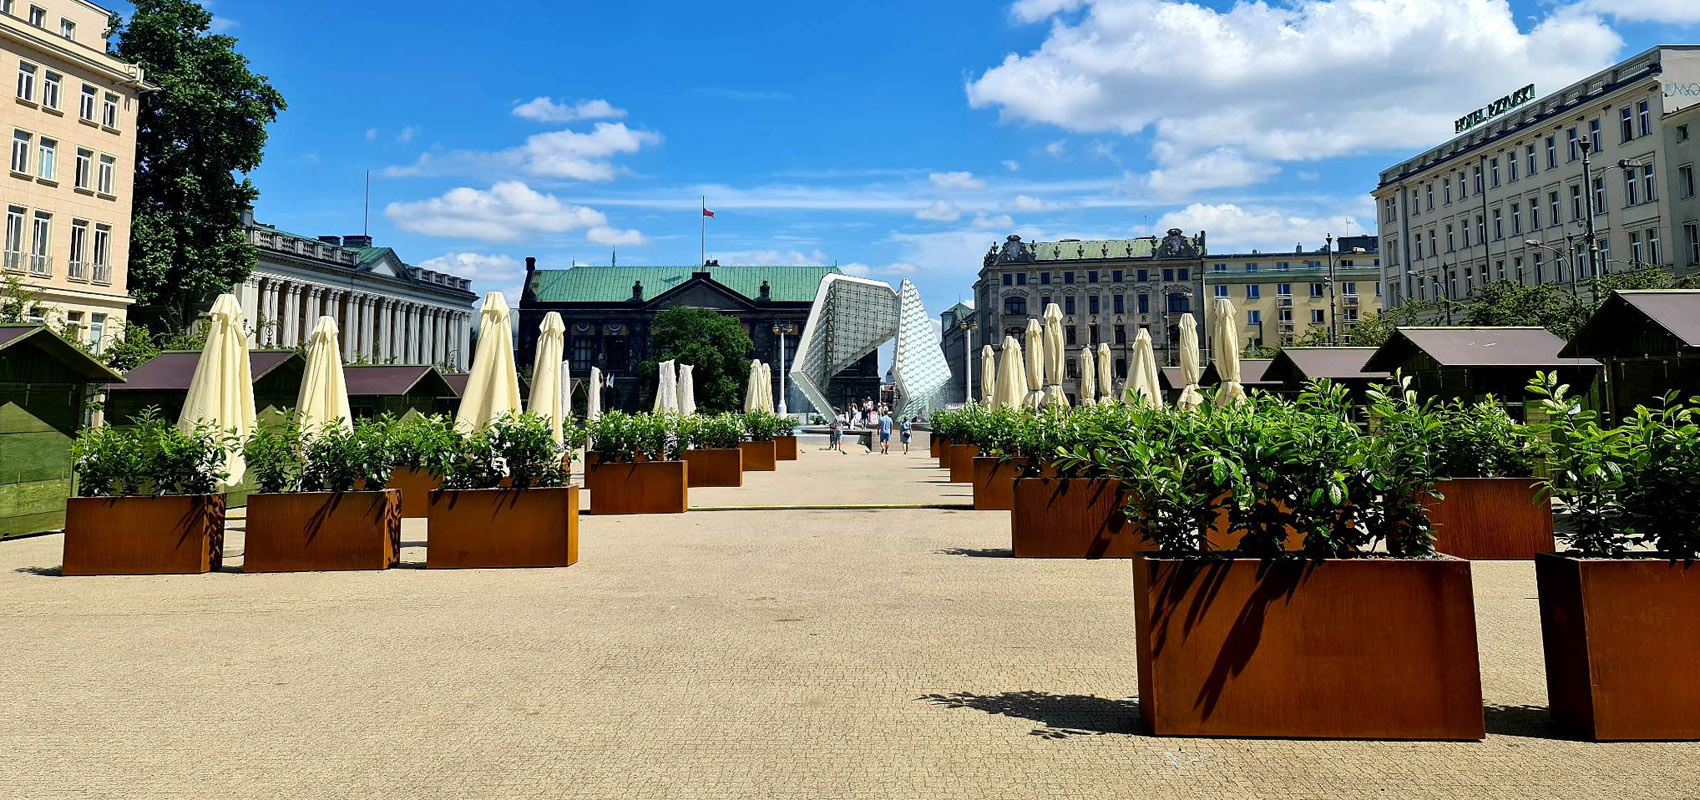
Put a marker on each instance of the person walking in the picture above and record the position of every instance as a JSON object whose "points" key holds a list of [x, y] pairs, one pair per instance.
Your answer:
{"points": [[908, 428], [835, 432], [885, 434]]}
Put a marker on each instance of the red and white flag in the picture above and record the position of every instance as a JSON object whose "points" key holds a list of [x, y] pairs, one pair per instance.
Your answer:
{"points": [[706, 212]]}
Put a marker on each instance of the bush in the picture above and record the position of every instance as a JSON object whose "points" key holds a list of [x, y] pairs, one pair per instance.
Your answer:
{"points": [[1480, 440], [762, 426], [517, 448], [619, 437], [718, 432], [282, 459], [275, 456], [152, 458], [429, 443]]}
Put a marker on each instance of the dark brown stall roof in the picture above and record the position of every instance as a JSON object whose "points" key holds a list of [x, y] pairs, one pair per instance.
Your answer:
{"points": [[1170, 378], [1300, 364], [386, 381], [64, 352], [1475, 347], [457, 384], [173, 370], [1251, 373], [1675, 311]]}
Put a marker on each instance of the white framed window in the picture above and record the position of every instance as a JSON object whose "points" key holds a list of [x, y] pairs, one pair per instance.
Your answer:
{"points": [[68, 29], [1530, 152], [1635, 247], [5, 7], [1317, 316], [1599, 196], [87, 102], [97, 332], [1648, 187], [1534, 214], [1221, 289], [1631, 186], [109, 111], [41, 244], [1653, 246], [38, 16], [46, 158], [84, 172], [76, 266], [1253, 291], [1644, 117], [50, 84], [1685, 181], [21, 141], [102, 253], [1691, 241], [14, 253], [1516, 219], [26, 81], [107, 176]]}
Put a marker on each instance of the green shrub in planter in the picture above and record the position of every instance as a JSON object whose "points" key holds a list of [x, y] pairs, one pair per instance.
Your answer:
{"points": [[1587, 472], [518, 449], [620, 437], [427, 443], [786, 425], [154, 457], [762, 426], [1479, 440], [282, 459], [718, 432]]}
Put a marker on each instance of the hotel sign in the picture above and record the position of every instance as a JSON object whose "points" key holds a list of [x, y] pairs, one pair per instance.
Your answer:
{"points": [[1494, 109]]}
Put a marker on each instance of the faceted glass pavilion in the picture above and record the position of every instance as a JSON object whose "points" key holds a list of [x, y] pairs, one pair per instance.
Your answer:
{"points": [[853, 316]]}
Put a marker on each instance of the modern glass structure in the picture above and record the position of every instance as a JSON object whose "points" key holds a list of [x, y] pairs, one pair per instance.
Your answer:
{"points": [[919, 368], [850, 318]]}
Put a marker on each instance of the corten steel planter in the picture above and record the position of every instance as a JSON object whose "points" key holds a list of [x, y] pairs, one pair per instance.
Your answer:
{"points": [[416, 486], [939, 447], [1223, 538], [785, 448], [1358, 648], [1071, 518], [1621, 643], [962, 462], [479, 528], [994, 482], [173, 534], [1504, 518], [715, 467], [645, 487], [758, 456], [319, 531]]}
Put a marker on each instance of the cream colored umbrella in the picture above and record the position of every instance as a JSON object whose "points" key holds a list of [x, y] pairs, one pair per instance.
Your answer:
{"points": [[1034, 360], [1106, 376], [767, 388], [1190, 368], [492, 388], [549, 375], [1088, 378], [1055, 354], [1141, 366], [988, 376], [667, 388], [323, 399], [1012, 376], [1225, 351], [593, 395], [752, 388], [687, 390], [221, 394]]}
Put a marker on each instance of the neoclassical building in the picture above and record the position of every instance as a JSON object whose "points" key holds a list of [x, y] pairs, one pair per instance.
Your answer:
{"points": [[387, 311]]}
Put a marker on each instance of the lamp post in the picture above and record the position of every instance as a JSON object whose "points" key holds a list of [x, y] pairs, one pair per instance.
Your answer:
{"points": [[1560, 257], [1588, 238], [781, 329], [1333, 327], [968, 327]]}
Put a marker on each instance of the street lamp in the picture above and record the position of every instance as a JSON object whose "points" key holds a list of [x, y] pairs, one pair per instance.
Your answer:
{"points": [[1333, 327], [781, 329], [1588, 238], [1561, 257], [968, 327]]}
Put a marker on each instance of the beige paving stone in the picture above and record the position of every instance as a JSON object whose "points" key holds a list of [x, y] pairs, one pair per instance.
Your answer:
{"points": [[855, 653]]}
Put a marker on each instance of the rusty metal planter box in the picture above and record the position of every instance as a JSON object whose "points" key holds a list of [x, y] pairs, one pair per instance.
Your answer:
{"points": [[1070, 518], [316, 531], [646, 487], [1367, 648], [939, 447], [994, 482], [962, 462], [758, 456], [416, 486], [1491, 518], [477, 528], [715, 467], [785, 448], [171, 534], [1622, 638]]}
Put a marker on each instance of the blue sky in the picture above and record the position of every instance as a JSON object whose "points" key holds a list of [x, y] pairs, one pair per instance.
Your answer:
{"points": [[896, 140]]}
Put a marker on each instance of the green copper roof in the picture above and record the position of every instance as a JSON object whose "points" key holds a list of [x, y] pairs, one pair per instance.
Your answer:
{"points": [[1144, 247], [614, 284]]}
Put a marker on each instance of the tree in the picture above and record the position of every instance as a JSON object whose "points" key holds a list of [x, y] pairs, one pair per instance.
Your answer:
{"points": [[716, 347], [1554, 306], [205, 124]]}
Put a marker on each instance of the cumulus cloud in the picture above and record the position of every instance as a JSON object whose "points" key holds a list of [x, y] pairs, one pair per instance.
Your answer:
{"points": [[407, 134], [1000, 221], [769, 258], [477, 266], [568, 154], [1233, 228], [1668, 11], [602, 234], [1235, 98], [371, 134], [545, 109], [1024, 202], [956, 180], [1012, 165], [857, 269], [1056, 149], [940, 211], [505, 212]]}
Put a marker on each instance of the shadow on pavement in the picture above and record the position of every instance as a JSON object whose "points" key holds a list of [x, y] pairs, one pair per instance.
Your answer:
{"points": [[1063, 715], [1533, 722], [977, 552], [44, 572]]}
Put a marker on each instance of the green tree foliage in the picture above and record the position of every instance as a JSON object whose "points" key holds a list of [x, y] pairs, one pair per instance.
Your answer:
{"points": [[1554, 306], [204, 125], [714, 344]]}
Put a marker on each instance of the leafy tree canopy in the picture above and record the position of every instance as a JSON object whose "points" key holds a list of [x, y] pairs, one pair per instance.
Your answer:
{"points": [[714, 344], [203, 126]]}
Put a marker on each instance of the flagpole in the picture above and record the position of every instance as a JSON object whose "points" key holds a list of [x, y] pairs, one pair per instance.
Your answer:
{"points": [[702, 243]]}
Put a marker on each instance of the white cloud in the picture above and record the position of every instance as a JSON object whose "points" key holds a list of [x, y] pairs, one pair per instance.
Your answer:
{"points": [[940, 211], [1024, 202], [568, 154], [1263, 83], [477, 266], [605, 235], [407, 134], [857, 269], [1056, 149], [1307, 175], [1668, 11], [769, 258], [1237, 229], [545, 109], [371, 134], [956, 180], [506, 212], [1000, 221], [1012, 165]]}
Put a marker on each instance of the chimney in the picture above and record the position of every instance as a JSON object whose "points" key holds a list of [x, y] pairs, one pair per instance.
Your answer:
{"points": [[247, 216], [637, 291], [357, 240], [527, 295], [335, 241]]}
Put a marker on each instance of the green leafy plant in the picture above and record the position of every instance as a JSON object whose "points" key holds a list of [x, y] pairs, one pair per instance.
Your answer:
{"points": [[717, 432], [619, 437], [1400, 464], [1586, 471], [762, 426], [429, 443], [276, 457], [1661, 486], [154, 457], [517, 450], [1480, 440], [341, 460]]}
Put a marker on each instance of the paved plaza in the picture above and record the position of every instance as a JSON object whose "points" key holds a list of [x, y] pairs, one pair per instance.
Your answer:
{"points": [[803, 653]]}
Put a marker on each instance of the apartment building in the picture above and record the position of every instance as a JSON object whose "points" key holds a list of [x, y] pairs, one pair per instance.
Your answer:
{"points": [[1279, 297], [1511, 196], [67, 191]]}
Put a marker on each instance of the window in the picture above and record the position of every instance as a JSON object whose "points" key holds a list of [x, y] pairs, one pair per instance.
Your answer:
{"points": [[1145, 299], [1283, 266], [1045, 302], [1349, 288], [1463, 189], [1450, 243], [1143, 275], [1517, 264], [1685, 181], [1631, 186], [1648, 186], [26, 81], [1116, 275], [1530, 153], [1653, 246], [1691, 239], [1221, 291], [1389, 208], [46, 158], [1092, 276], [1511, 165], [97, 332], [1431, 248], [86, 104], [1317, 316], [1414, 204], [1552, 208], [1498, 271], [109, 111], [38, 17], [1516, 219], [76, 268], [1575, 202], [1068, 277], [1635, 254], [1044, 279], [1254, 317], [1466, 227], [1183, 274], [1168, 274], [102, 253], [1594, 135], [1493, 170], [50, 84], [1540, 276], [1092, 304], [1417, 245], [1251, 266], [1481, 230], [1446, 191], [1534, 214], [1070, 331], [1015, 305], [1552, 152], [21, 152], [14, 253], [1477, 169], [1020, 277], [1118, 303], [1605, 254], [1599, 195], [1008, 279], [1283, 290], [1498, 226], [1429, 190], [1626, 125], [68, 29], [1121, 335], [41, 244], [1575, 149], [1644, 118], [1068, 304], [1682, 133], [1253, 291], [1219, 267]]}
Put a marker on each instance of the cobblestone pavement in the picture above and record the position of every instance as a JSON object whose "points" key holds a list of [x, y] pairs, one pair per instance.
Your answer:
{"points": [[776, 654]]}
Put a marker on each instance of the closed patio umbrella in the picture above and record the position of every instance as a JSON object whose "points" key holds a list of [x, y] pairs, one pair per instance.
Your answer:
{"points": [[1012, 376], [1190, 368], [1088, 378], [1106, 376], [988, 376], [221, 394], [687, 390], [1141, 367], [323, 399], [1225, 350], [752, 388], [666, 388], [767, 387], [593, 395], [1034, 361], [549, 375], [1055, 354], [492, 388]]}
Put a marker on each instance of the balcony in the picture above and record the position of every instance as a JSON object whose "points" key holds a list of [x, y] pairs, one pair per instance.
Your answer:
{"points": [[1286, 327], [14, 261], [102, 273], [1350, 300], [39, 265], [75, 270], [1284, 300]]}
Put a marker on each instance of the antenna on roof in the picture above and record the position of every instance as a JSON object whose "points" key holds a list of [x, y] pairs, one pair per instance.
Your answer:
{"points": [[613, 256], [366, 222]]}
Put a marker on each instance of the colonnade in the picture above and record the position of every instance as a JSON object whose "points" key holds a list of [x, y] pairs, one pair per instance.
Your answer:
{"points": [[374, 327]]}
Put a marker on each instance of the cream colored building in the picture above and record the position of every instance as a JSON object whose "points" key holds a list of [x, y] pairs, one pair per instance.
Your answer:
{"points": [[1279, 297], [71, 131]]}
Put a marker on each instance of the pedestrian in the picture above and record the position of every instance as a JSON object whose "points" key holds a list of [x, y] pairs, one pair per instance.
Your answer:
{"points": [[835, 432], [885, 434], [908, 428]]}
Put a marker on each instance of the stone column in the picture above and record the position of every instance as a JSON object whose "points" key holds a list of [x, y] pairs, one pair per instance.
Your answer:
{"points": [[434, 337], [290, 321], [386, 328], [410, 331], [270, 310], [248, 294], [461, 322]]}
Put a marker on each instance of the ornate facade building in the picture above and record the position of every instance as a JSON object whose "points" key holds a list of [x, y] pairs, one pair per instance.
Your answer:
{"points": [[387, 311]]}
